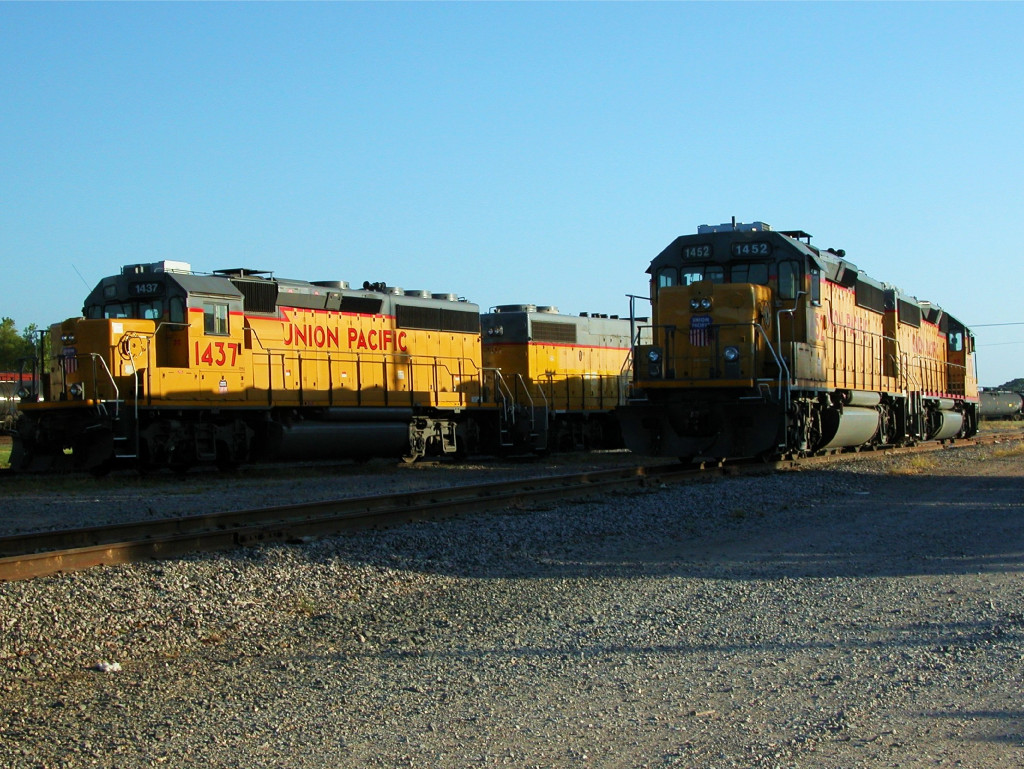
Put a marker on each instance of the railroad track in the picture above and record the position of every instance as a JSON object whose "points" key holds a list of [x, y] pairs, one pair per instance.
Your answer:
{"points": [[26, 556]]}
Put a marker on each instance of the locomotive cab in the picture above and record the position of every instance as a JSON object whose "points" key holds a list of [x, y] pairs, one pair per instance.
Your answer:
{"points": [[173, 332], [133, 347]]}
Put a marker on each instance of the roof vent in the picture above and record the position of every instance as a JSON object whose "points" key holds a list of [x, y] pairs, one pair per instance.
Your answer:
{"points": [[164, 266], [733, 226], [342, 284]]}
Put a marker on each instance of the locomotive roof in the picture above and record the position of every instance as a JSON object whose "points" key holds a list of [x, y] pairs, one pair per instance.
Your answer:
{"points": [[831, 262], [673, 252], [239, 272], [205, 284], [522, 323]]}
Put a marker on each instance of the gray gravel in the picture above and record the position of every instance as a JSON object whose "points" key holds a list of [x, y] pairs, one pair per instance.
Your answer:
{"points": [[863, 614], [32, 503]]}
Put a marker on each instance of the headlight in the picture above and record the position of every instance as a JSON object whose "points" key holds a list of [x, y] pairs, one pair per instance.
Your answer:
{"points": [[695, 304], [732, 354], [76, 390], [705, 303], [23, 393], [654, 363]]}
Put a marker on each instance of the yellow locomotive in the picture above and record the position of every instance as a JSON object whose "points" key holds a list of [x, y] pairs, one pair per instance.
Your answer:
{"points": [[169, 368], [763, 344], [574, 370]]}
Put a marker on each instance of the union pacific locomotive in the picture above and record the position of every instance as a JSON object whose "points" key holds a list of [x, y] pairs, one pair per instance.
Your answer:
{"points": [[764, 345], [169, 368]]}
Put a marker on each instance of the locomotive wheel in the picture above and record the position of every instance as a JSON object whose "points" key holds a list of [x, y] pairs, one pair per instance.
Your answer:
{"points": [[227, 461], [179, 460], [93, 451], [103, 468]]}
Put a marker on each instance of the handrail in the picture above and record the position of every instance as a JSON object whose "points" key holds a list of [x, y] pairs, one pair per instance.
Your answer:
{"points": [[502, 389], [526, 391], [780, 361], [778, 335], [533, 408], [135, 377], [935, 366], [95, 356], [785, 374]]}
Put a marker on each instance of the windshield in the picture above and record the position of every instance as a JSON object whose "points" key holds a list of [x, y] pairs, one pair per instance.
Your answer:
{"points": [[694, 273], [148, 310], [756, 272]]}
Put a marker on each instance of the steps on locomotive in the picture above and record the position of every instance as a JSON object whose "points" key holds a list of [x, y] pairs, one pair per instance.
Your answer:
{"points": [[124, 448], [125, 445], [512, 432]]}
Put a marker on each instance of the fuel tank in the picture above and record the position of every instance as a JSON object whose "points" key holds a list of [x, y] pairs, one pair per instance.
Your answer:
{"points": [[337, 433]]}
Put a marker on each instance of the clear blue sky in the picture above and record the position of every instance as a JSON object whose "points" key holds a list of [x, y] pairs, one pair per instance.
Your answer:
{"points": [[525, 152]]}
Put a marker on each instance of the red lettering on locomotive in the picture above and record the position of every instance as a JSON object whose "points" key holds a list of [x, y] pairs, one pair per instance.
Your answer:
{"points": [[374, 339]]}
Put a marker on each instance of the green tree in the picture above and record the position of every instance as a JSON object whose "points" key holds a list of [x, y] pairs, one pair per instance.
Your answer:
{"points": [[14, 346]]}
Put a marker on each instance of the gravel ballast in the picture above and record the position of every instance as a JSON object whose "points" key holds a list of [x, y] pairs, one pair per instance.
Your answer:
{"points": [[861, 614]]}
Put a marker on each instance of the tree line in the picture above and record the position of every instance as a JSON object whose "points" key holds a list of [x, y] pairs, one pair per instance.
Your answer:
{"points": [[15, 345]]}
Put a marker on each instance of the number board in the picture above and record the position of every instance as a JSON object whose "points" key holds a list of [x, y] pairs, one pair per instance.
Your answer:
{"points": [[702, 251], [756, 248], [150, 288]]}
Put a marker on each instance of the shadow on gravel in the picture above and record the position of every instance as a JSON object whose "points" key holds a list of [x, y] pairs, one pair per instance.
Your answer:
{"points": [[870, 526], [1007, 716], [892, 526], [943, 645]]}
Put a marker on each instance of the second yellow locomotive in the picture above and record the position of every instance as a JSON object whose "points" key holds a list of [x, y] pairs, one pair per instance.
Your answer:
{"points": [[766, 345]]}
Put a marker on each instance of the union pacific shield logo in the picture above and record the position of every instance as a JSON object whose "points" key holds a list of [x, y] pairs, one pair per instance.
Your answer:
{"points": [[700, 330], [69, 360]]}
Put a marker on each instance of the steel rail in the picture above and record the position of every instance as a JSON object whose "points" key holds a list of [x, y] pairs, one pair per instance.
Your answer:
{"points": [[26, 556]]}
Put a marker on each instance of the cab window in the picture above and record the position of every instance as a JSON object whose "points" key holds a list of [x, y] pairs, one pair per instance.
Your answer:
{"points": [[667, 277], [150, 310], [215, 318], [756, 272], [177, 309], [789, 279], [698, 272]]}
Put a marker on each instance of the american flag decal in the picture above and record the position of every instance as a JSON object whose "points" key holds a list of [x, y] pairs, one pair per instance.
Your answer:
{"points": [[69, 356], [700, 330]]}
